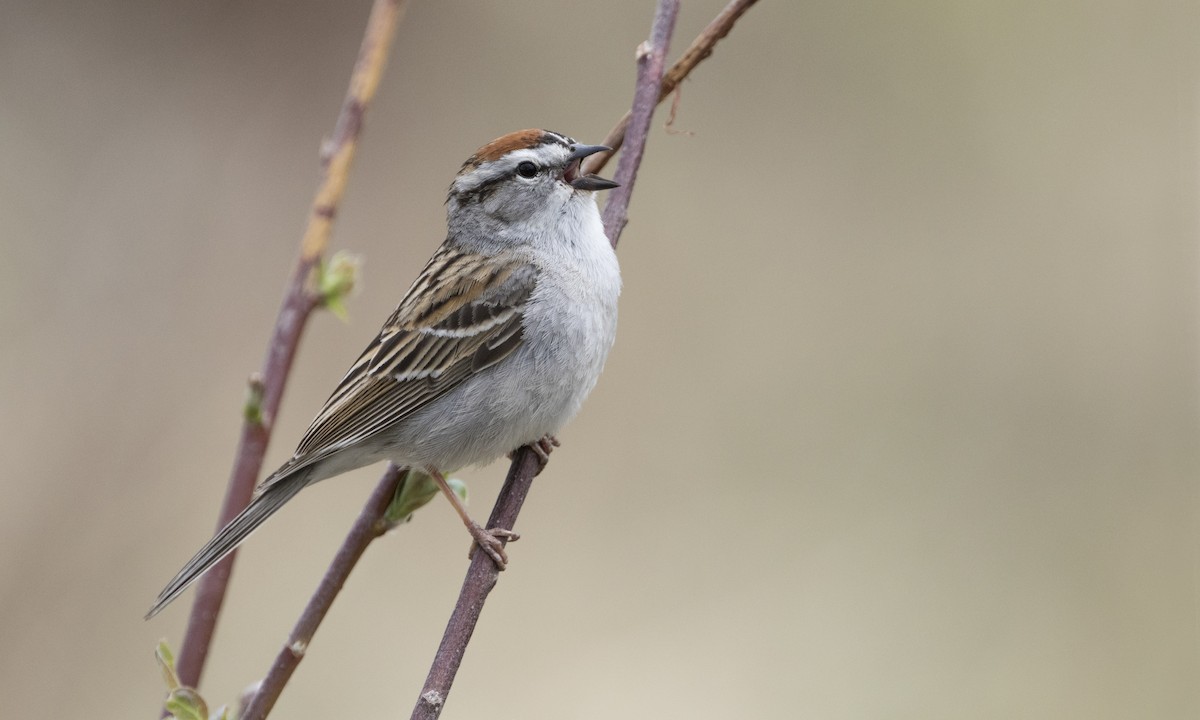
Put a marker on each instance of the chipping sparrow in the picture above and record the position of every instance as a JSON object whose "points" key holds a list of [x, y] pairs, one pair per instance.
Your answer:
{"points": [[494, 346]]}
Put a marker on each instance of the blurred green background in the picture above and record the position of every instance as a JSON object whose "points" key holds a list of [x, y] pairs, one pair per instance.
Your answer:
{"points": [[901, 421]]}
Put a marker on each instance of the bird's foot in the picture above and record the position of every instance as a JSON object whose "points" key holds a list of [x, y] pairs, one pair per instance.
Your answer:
{"points": [[492, 541], [542, 448]]}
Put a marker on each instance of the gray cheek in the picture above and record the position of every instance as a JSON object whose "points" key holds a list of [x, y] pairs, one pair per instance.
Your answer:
{"points": [[514, 203]]}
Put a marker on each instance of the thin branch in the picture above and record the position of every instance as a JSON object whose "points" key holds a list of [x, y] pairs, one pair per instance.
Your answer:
{"points": [[700, 49], [299, 302], [370, 525], [651, 58], [481, 578], [482, 573]]}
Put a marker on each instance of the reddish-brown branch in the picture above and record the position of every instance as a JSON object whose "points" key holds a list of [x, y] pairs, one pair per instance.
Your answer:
{"points": [[481, 578], [700, 49], [252, 446], [482, 573], [299, 302], [651, 58], [370, 525]]}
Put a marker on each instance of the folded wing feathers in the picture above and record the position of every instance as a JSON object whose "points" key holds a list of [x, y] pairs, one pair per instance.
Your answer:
{"points": [[462, 315]]}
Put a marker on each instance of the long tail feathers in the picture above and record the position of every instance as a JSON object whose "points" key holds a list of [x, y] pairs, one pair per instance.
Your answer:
{"points": [[272, 497]]}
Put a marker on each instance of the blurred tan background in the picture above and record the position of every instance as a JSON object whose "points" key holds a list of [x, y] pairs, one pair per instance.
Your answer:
{"points": [[901, 421]]}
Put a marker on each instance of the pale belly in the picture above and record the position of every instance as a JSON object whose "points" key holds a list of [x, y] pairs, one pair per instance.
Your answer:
{"points": [[533, 392]]}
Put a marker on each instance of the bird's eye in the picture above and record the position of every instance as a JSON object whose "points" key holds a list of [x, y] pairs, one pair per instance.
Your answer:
{"points": [[527, 170]]}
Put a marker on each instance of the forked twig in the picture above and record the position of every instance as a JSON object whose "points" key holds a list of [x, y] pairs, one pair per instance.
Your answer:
{"points": [[700, 49], [652, 87], [482, 573], [651, 58], [299, 302], [370, 525]]}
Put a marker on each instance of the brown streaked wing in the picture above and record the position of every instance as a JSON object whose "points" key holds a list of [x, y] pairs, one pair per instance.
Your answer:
{"points": [[462, 315]]}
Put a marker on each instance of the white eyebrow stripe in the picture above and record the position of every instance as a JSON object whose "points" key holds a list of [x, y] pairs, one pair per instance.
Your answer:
{"points": [[494, 170]]}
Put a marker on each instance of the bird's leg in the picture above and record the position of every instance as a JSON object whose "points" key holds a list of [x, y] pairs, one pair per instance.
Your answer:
{"points": [[491, 540]]}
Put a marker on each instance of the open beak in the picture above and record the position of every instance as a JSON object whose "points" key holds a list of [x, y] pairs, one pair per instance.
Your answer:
{"points": [[586, 182]]}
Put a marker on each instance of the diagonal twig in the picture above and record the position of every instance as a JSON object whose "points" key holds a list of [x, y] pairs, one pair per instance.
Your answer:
{"points": [[481, 578], [369, 525], [700, 49], [651, 58], [482, 573], [299, 302]]}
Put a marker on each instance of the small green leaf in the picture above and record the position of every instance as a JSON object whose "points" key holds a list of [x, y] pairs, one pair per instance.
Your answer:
{"points": [[186, 704], [416, 490], [166, 664], [252, 407], [183, 703], [337, 280], [335, 305]]}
